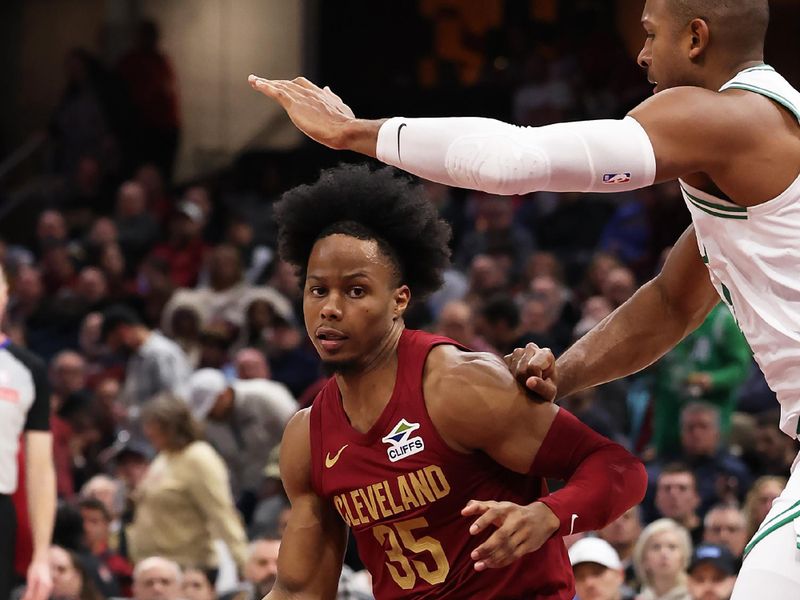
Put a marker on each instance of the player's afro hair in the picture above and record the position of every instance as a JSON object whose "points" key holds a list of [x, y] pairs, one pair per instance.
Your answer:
{"points": [[379, 205]]}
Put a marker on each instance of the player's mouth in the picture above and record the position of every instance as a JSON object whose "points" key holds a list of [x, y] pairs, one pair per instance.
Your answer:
{"points": [[655, 85], [330, 339]]}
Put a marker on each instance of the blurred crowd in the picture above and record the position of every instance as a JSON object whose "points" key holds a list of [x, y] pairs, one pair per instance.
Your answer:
{"points": [[177, 353]]}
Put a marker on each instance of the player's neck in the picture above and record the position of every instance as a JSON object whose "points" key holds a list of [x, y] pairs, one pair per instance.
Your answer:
{"points": [[723, 75], [367, 390]]}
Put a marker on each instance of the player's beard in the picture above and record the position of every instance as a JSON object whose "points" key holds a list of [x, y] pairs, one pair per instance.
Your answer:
{"points": [[339, 367]]}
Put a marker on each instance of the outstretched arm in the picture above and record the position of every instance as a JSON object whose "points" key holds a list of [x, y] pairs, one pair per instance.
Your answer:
{"points": [[658, 316], [312, 549], [476, 405], [675, 133]]}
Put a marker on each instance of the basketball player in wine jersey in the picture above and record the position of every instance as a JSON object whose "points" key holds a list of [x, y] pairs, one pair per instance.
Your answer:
{"points": [[414, 438]]}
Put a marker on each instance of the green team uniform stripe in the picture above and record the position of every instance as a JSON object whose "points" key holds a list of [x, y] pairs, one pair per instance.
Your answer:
{"points": [[769, 94], [738, 217], [759, 68], [776, 525], [716, 210]]}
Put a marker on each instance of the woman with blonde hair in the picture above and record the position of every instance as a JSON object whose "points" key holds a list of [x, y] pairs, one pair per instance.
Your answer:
{"points": [[184, 502], [759, 500], [660, 558]]}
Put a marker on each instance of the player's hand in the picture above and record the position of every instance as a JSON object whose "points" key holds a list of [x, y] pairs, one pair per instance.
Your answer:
{"points": [[535, 368], [39, 583], [317, 112], [520, 530]]}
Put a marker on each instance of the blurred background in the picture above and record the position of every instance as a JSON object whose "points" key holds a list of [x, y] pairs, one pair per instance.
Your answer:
{"points": [[137, 174]]}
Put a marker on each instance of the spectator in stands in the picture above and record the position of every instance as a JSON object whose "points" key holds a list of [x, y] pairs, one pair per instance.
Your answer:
{"points": [[712, 573], [196, 585], [251, 364], [261, 567], [137, 228], [710, 364], [721, 476], [622, 534], [726, 525], [71, 581], [97, 522], [184, 502], [495, 227], [228, 296], [67, 374], [598, 571], [619, 285], [153, 88], [759, 501], [774, 450], [155, 363], [677, 498], [499, 322], [660, 558], [244, 420], [457, 321], [157, 578], [184, 251]]}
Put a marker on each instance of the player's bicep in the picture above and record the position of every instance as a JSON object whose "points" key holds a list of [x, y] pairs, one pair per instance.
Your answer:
{"points": [[313, 545], [692, 130]]}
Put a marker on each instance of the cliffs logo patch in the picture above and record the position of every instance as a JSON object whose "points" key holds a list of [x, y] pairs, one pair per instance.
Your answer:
{"points": [[401, 444], [616, 178]]}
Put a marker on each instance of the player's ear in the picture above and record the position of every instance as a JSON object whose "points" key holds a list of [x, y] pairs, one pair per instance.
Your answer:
{"points": [[700, 38], [402, 296]]}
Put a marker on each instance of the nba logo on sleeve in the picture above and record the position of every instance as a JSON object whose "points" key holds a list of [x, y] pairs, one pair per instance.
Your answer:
{"points": [[616, 178], [401, 444]]}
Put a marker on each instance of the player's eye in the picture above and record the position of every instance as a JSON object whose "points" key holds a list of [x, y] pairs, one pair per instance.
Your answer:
{"points": [[317, 291], [357, 292]]}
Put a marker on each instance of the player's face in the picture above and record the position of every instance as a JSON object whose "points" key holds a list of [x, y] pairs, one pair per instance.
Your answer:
{"points": [[663, 55], [351, 301], [707, 582]]}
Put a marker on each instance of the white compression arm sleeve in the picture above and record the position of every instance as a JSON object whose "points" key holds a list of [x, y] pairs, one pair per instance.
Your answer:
{"points": [[495, 157]]}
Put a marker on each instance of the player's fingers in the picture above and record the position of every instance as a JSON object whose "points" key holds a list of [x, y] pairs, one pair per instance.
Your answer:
{"points": [[477, 507], [305, 83], [543, 359], [332, 93], [546, 389], [491, 516], [495, 551]]}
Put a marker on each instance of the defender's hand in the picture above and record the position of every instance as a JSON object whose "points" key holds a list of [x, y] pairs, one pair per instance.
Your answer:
{"points": [[520, 530], [535, 368], [317, 112]]}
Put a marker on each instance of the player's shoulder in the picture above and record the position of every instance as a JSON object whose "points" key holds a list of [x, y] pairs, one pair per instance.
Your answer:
{"points": [[448, 365]]}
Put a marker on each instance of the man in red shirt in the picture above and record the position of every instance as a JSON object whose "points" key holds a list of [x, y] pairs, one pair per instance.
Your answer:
{"points": [[433, 455]]}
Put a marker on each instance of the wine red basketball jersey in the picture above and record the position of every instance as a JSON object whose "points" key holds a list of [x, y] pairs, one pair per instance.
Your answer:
{"points": [[401, 489]]}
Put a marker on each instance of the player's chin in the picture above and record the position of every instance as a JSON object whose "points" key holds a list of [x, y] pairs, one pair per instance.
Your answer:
{"points": [[338, 366]]}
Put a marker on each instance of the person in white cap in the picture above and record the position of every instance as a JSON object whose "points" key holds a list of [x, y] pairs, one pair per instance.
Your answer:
{"points": [[244, 421], [598, 571]]}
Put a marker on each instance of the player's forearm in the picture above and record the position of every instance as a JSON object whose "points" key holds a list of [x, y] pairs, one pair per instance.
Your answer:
{"points": [[499, 158], [40, 488], [631, 338], [603, 480], [361, 135]]}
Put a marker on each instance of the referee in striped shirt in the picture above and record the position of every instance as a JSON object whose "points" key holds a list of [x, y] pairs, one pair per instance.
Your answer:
{"points": [[25, 407]]}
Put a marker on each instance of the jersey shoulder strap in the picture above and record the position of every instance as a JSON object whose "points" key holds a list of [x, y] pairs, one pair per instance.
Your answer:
{"points": [[765, 80]]}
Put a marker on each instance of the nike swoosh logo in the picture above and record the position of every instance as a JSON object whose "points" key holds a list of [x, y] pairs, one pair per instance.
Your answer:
{"points": [[399, 129], [329, 462], [572, 523]]}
